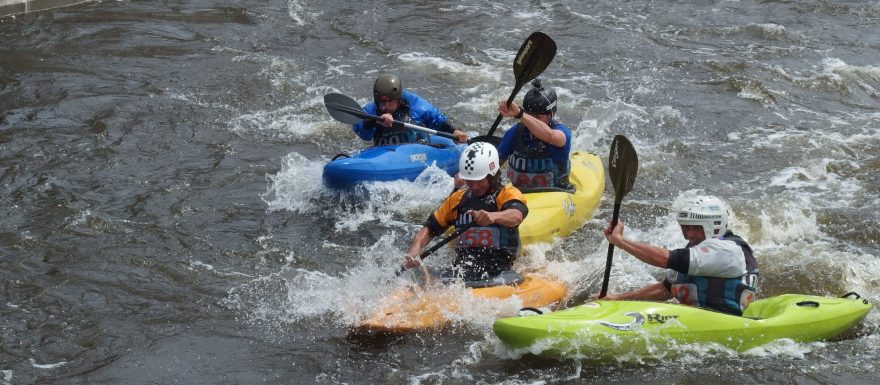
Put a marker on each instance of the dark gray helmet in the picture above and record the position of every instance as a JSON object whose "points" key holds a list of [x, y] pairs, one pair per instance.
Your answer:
{"points": [[540, 99], [387, 87]]}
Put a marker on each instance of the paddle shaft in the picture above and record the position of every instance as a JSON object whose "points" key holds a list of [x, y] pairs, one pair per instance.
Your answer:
{"points": [[365, 116], [610, 256], [498, 118], [440, 244]]}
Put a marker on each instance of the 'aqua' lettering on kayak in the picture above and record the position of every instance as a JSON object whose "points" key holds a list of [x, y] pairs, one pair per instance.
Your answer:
{"points": [[418, 157]]}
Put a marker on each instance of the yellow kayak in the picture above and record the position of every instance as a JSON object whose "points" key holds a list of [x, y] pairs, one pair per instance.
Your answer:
{"points": [[557, 213], [415, 309]]}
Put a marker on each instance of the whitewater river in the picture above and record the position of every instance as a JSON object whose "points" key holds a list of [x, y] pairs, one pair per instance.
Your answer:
{"points": [[162, 218]]}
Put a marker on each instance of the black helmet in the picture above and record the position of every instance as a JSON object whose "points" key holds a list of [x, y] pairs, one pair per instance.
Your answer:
{"points": [[387, 87], [540, 100]]}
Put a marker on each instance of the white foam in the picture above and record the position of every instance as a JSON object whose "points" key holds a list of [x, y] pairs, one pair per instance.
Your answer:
{"points": [[784, 348], [286, 122], [814, 179], [286, 190], [435, 63], [46, 366]]}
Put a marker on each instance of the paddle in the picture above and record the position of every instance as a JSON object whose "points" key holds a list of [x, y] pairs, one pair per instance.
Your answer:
{"points": [[347, 110], [533, 57], [438, 245], [623, 163]]}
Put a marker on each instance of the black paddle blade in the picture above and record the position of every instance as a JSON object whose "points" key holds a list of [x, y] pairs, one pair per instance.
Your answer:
{"points": [[533, 57], [623, 164], [344, 108]]}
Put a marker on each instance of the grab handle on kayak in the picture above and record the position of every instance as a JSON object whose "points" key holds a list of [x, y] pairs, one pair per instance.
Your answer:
{"points": [[850, 294], [808, 303]]}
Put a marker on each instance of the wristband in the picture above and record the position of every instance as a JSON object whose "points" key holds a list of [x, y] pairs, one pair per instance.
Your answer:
{"points": [[520, 114]]}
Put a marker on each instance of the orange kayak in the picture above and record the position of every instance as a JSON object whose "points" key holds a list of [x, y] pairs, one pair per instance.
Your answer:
{"points": [[415, 309]]}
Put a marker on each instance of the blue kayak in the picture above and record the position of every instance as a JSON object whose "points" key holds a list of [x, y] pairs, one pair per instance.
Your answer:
{"points": [[394, 162]]}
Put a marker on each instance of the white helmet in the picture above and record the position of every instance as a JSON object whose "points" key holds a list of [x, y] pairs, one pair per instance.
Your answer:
{"points": [[477, 161], [707, 211]]}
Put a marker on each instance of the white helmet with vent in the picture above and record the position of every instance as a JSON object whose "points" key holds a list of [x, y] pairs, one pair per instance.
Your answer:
{"points": [[478, 160], [707, 211]]}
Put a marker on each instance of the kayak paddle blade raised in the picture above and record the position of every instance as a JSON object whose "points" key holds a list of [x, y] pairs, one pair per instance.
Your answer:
{"points": [[623, 165], [533, 57]]}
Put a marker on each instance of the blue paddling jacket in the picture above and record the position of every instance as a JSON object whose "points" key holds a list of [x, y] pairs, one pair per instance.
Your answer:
{"points": [[413, 109]]}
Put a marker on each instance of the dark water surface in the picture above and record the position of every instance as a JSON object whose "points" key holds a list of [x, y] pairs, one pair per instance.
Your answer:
{"points": [[163, 219]]}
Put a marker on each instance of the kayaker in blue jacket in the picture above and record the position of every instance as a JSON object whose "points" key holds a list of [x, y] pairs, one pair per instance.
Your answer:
{"points": [[716, 270], [537, 148], [392, 102], [494, 211]]}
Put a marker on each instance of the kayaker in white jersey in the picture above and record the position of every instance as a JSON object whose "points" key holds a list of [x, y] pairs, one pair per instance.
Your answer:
{"points": [[492, 211], [716, 270], [392, 102]]}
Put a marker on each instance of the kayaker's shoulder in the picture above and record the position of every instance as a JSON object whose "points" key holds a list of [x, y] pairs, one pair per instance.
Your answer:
{"points": [[509, 192]]}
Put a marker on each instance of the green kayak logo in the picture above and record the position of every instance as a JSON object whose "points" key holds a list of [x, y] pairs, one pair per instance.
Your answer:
{"points": [[638, 320]]}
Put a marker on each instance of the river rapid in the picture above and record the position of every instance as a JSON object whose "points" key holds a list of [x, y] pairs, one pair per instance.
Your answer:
{"points": [[163, 219]]}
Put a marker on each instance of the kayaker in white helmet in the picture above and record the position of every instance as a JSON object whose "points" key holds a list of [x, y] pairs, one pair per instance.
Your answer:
{"points": [[716, 270], [537, 148], [392, 102], [489, 247]]}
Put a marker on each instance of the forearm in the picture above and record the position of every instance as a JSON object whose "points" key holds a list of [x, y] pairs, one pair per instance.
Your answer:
{"points": [[509, 217], [652, 255], [364, 132], [419, 241], [542, 131], [652, 292]]}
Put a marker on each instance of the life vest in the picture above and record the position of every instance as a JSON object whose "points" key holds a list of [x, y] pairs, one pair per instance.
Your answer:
{"points": [[484, 249], [531, 163], [728, 295], [385, 136], [481, 251]]}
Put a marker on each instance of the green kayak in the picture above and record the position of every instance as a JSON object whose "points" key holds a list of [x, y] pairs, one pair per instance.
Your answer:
{"points": [[605, 329]]}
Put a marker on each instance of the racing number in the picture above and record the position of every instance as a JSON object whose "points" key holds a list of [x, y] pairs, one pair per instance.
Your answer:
{"points": [[682, 294], [524, 180], [478, 238], [390, 140]]}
